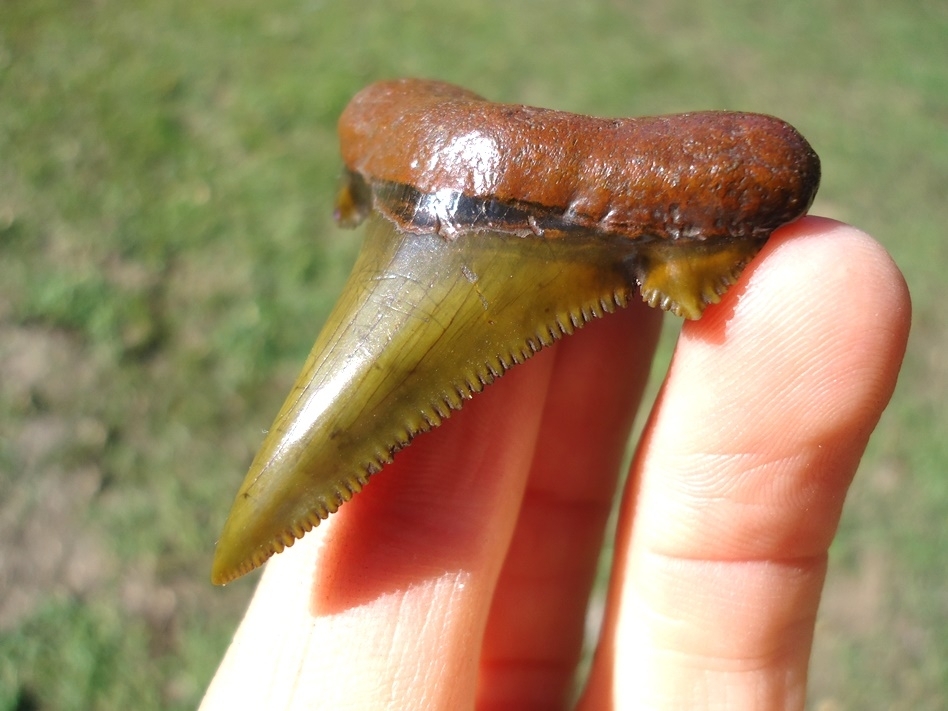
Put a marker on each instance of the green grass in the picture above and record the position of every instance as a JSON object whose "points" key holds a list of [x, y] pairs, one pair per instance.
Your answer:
{"points": [[167, 256]]}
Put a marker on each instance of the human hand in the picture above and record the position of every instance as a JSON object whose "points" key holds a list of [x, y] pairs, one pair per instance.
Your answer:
{"points": [[459, 578]]}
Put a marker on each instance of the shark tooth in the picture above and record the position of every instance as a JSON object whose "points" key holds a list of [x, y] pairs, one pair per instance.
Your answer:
{"points": [[486, 243]]}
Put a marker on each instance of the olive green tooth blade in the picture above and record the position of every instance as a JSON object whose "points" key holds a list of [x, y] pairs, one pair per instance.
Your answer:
{"points": [[422, 324]]}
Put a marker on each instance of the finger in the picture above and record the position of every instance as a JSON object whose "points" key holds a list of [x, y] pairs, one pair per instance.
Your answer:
{"points": [[535, 629], [383, 606], [741, 476]]}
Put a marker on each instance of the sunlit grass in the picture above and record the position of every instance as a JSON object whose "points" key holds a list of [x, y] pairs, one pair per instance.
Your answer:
{"points": [[167, 256]]}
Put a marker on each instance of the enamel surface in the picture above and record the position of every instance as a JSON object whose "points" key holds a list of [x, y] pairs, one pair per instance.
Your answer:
{"points": [[422, 324]]}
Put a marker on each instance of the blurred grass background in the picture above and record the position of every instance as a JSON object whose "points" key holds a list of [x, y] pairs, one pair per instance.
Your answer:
{"points": [[167, 256]]}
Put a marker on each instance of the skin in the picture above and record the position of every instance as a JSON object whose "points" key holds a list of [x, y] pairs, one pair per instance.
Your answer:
{"points": [[459, 577]]}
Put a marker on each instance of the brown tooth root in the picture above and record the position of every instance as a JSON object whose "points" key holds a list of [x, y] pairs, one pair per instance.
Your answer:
{"points": [[493, 231]]}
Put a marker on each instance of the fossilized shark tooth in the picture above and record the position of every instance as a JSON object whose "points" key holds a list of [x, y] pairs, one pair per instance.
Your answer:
{"points": [[492, 231]]}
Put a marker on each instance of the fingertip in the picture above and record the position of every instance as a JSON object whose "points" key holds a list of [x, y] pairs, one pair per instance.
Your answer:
{"points": [[744, 466], [834, 293], [813, 267], [823, 301], [839, 267], [797, 363]]}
